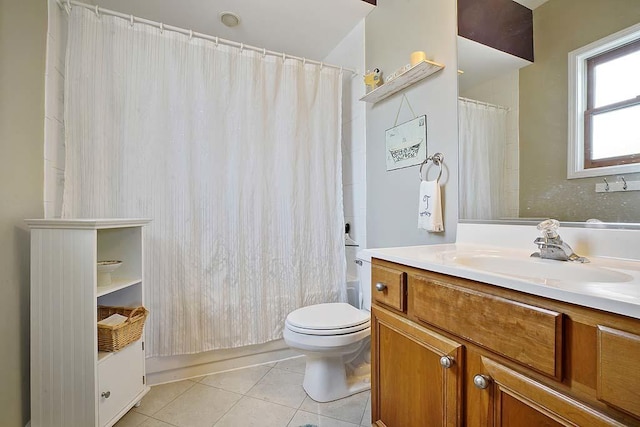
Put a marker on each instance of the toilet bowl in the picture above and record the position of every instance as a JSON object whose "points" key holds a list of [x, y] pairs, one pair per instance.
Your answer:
{"points": [[336, 340]]}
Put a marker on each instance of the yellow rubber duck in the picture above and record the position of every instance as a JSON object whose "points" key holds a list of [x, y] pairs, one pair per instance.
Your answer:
{"points": [[372, 79]]}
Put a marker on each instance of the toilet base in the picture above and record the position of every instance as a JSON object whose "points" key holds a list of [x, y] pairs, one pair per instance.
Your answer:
{"points": [[328, 378]]}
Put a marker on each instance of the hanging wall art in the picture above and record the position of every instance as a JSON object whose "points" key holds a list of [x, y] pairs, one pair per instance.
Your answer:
{"points": [[406, 143]]}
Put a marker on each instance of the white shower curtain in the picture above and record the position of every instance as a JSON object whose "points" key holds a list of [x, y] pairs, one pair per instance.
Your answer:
{"points": [[483, 142], [236, 158]]}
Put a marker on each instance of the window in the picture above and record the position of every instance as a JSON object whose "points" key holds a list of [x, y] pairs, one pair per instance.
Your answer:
{"points": [[604, 103], [612, 118]]}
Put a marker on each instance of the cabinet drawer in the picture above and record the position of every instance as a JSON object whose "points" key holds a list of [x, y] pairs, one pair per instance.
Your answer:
{"points": [[521, 332], [618, 369], [388, 286], [119, 381]]}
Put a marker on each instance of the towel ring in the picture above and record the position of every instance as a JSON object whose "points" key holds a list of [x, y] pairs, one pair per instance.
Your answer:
{"points": [[437, 160]]}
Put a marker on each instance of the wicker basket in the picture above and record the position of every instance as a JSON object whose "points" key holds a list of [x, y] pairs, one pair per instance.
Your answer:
{"points": [[116, 337]]}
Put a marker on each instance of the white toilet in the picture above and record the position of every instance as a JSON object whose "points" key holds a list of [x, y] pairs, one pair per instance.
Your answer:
{"points": [[336, 340]]}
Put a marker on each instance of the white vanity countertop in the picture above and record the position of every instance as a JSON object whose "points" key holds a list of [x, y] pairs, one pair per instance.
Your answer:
{"points": [[609, 284]]}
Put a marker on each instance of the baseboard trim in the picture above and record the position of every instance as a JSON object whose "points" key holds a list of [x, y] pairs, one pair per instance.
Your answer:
{"points": [[162, 370]]}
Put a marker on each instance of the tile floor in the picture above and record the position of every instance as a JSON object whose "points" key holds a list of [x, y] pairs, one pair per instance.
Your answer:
{"points": [[265, 396]]}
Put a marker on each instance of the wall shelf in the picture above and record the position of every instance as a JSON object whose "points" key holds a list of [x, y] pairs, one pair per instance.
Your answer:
{"points": [[414, 74]]}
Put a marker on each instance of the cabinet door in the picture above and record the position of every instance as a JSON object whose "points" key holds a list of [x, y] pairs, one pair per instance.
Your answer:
{"points": [[618, 369], [515, 400], [120, 380], [415, 374]]}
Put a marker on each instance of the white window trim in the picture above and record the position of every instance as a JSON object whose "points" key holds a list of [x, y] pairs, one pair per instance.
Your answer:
{"points": [[578, 104]]}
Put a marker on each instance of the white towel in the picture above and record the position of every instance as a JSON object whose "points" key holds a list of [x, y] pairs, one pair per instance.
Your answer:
{"points": [[113, 320], [430, 207]]}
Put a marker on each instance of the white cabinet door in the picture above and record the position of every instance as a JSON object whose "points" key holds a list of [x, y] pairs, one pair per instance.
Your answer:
{"points": [[120, 379]]}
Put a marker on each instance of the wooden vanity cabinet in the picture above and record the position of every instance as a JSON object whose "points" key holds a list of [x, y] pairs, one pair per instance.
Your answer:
{"points": [[463, 353]]}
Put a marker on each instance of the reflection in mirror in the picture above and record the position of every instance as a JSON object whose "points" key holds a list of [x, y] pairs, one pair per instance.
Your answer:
{"points": [[514, 122]]}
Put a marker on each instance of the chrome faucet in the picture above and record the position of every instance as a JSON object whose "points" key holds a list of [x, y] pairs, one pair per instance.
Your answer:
{"points": [[551, 244]]}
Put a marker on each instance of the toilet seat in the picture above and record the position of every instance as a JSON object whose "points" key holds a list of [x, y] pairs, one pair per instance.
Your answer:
{"points": [[337, 331], [328, 319]]}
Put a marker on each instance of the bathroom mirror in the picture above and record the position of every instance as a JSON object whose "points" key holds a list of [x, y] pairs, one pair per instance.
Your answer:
{"points": [[529, 112]]}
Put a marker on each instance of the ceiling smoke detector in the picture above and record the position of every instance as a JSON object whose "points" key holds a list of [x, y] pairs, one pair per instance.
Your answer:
{"points": [[229, 19]]}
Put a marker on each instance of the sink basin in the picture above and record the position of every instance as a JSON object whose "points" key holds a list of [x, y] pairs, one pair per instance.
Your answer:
{"points": [[542, 269]]}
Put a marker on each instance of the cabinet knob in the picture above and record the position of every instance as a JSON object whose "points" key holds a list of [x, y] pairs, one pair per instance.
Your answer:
{"points": [[481, 381], [381, 286], [446, 361], [106, 394]]}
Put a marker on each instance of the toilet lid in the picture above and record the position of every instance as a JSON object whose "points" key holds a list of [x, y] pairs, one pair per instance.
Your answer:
{"points": [[329, 316]]}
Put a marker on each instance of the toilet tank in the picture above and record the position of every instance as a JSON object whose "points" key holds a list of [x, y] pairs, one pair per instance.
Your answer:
{"points": [[364, 273], [353, 292]]}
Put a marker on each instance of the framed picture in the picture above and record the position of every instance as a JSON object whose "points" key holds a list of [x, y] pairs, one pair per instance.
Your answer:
{"points": [[407, 143]]}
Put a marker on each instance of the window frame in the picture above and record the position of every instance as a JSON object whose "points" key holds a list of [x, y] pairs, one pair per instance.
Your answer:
{"points": [[581, 102]]}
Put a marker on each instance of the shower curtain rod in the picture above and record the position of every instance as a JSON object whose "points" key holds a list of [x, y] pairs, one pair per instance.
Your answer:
{"points": [[67, 4], [473, 101]]}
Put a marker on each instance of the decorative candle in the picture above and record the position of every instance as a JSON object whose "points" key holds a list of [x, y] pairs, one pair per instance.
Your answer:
{"points": [[417, 57]]}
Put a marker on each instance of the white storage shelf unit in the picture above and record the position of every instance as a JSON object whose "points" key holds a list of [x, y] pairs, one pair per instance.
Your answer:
{"points": [[72, 384]]}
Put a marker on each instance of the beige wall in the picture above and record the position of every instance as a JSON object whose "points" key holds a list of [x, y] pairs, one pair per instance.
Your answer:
{"points": [[393, 30], [23, 26], [561, 26]]}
